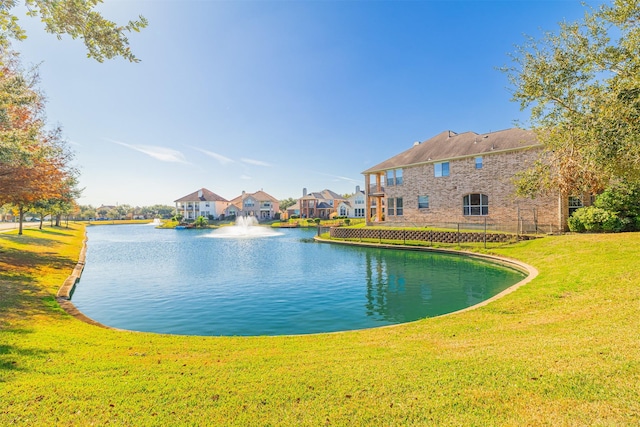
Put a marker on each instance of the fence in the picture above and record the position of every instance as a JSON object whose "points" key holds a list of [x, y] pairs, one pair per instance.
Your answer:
{"points": [[520, 227], [409, 236]]}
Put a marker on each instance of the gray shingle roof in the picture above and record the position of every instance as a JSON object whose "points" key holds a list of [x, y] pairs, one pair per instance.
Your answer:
{"points": [[449, 145]]}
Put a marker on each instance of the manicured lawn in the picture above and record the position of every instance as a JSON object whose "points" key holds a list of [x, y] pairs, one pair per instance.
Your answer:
{"points": [[562, 350]]}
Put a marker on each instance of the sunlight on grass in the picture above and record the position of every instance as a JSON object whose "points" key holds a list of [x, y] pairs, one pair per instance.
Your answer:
{"points": [[562, 350]]}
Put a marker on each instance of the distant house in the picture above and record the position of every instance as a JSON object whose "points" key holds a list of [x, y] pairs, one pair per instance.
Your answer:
{"points": [[354, 206], [463, 178], [260, 205], [319, 204], [103, 211], [201, 203], [293, 210]]}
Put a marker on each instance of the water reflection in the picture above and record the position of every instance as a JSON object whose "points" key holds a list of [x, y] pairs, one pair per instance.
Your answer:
{"points": [[403, 286]]}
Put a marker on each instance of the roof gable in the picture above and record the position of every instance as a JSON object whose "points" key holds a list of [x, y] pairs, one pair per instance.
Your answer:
{"points": [[206, 196], [259, 196]]}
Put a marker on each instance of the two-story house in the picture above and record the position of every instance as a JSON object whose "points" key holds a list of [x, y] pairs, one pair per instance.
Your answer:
{"points": [[261, 205], [462, 178], [319, 204], [354, 206], [201, 203]]}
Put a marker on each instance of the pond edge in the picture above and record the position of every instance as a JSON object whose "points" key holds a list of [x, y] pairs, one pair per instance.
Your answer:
{"points": [[65, 292], [527, 269]]}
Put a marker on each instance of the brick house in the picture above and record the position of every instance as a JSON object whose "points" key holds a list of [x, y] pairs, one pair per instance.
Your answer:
{"points": [[320, 204], [463, 178]]}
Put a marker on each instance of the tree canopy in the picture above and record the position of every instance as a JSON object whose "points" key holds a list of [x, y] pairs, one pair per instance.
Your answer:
{"points": [[35, 163], [582, 87], [104, 39]]}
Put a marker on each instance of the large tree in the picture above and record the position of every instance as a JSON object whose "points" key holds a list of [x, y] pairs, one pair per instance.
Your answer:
{"points": [[104, 39], [47, 176], [582, 86], [21, 111]]}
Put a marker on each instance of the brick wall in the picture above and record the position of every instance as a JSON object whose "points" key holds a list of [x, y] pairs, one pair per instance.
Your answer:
{"points": [[494, 179]]}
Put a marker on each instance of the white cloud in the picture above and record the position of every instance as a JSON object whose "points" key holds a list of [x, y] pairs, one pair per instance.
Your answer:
{"points": [[219, 157], [255, 162], [342, 178], [159, 153], [245, 177]]}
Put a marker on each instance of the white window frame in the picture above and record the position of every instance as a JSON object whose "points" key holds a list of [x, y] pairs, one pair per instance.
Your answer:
{"points": [[481, 208], [441, 169]]}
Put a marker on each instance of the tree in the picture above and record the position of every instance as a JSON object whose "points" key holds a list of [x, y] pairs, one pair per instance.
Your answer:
{"points": [[46, 176], [21, 112], [161, 211], [582, 86], [104, 39], [285, 203], [201, 222]]}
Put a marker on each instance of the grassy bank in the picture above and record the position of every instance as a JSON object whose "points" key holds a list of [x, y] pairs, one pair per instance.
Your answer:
{"points": [[563, 350]]}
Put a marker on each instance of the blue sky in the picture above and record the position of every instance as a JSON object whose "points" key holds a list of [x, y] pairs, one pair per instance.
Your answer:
{"points": [[278, 95]]}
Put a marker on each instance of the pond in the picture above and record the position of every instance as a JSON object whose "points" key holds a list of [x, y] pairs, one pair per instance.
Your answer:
{"points": [[212, 282]]}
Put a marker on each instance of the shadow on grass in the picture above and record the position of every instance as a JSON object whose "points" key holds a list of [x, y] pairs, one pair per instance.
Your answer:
{"points": [[11, 357], [22, 295], [57, 231], [28, 240], [18, 262]]}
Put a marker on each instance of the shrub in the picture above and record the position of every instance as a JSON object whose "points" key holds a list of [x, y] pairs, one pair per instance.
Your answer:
{"points": [[595, 219]]}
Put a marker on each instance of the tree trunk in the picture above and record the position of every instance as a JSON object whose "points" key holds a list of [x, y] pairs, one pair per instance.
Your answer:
{"points": [[58, 216], [41, 220], [21, 218]]}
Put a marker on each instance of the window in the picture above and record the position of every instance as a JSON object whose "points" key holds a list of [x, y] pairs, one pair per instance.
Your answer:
{"points": [[399, 206], [475, 204], [575, 203], [391, 210], [394, 177], [343, 211], [441, 169], [398, 176], [390, 178], [248, 203], [423, 202], [479, 162]]}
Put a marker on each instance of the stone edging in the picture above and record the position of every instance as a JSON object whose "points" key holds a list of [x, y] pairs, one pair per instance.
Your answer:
{"points": [[69, 285], [531, 271]]}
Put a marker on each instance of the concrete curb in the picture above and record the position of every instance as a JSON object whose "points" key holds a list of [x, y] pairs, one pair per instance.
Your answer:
{"points": [[69, 285], [63, 297]]}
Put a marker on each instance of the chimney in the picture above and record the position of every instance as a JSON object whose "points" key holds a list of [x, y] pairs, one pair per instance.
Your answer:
{"points": [[357, 189], [200, 193], [304, 192]]}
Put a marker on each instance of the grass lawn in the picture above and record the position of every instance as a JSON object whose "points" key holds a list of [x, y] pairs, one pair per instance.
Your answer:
{"points": [[562, 350]]}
